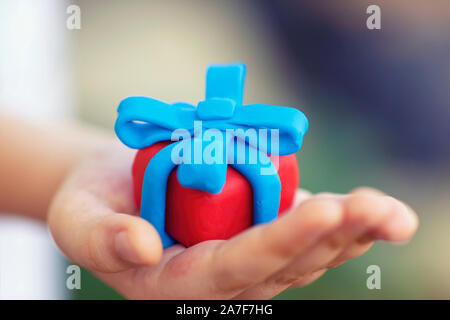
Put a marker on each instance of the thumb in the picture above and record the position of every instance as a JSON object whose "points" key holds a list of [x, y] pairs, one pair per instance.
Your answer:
{"points": [[100, 239]]}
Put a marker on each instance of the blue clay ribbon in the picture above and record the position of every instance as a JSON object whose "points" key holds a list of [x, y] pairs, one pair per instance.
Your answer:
{"points": [[143, 121]]}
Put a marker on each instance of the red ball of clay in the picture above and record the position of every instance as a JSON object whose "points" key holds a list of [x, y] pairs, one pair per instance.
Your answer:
{"points": [[193, 216]]}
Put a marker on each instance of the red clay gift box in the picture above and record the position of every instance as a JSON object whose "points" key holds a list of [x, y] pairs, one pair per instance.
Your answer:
{"points": [[193, 216], [211, 171]]}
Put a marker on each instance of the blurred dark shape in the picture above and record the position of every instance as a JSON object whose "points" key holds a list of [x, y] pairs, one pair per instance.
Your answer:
{"points": [[404, 96]]}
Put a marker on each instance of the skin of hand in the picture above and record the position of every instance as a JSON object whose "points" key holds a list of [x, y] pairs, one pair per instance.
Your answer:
{"points": [[95, 222]]}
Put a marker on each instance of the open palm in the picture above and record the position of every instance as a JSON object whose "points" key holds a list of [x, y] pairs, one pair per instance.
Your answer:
{"points": [[95, 222]]}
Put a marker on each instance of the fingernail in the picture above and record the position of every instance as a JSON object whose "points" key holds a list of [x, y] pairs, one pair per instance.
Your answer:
{"points": [[125, 249]]}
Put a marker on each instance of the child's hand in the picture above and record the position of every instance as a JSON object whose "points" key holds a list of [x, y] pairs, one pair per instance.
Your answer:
{"points": [[95, 222]]}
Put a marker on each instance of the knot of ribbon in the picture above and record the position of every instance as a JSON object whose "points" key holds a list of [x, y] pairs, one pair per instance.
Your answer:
{"points": [[239, 135]]}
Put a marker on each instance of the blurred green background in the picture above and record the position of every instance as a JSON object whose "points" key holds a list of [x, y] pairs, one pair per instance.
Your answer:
{"points": [[377, 102]]}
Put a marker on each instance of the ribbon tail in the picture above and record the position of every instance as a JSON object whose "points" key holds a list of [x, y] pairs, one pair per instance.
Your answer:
{"points": [[153, 201], [288, 124], [266, 186]]}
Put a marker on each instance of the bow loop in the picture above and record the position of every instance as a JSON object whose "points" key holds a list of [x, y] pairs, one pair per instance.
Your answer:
{"points": [[144, 121], [279, 128]]}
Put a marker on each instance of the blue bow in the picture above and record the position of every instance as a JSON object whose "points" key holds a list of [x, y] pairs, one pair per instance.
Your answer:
{"points": [[237, 135]]}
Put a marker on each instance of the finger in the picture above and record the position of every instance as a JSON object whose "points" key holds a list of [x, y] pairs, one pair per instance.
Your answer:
{"points": [[365, 241], [367, 191], [252, 256], [300, 196], [397, 210], [401, 225], [361, 213], [101, 239]]}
